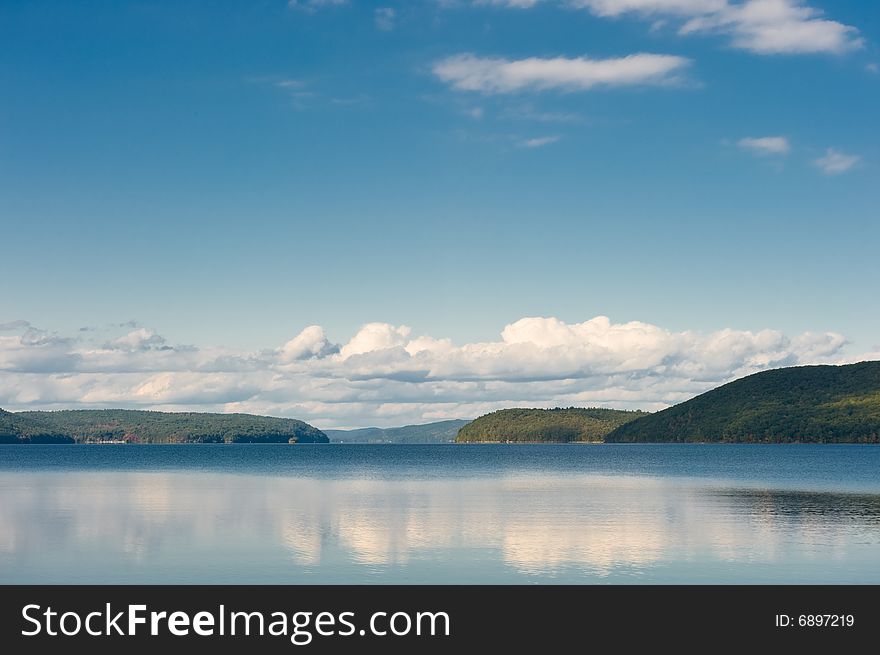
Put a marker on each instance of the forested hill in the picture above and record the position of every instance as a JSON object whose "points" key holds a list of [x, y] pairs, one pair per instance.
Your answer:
{"points": [[15, 428], [439, 432], [545, 425], [133, 426], [816, 404]]}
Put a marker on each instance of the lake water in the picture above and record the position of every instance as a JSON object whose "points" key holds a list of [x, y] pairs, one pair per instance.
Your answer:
{"points": [[439, 514]]}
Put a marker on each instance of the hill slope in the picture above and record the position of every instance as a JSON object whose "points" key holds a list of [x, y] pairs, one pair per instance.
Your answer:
{"points": [[439, 432], [545, 425], [819, 404], [152, 427], [14, 428]]}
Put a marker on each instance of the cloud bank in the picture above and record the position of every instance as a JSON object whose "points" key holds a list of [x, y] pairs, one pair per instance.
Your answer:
{"points": [[384, 375]]}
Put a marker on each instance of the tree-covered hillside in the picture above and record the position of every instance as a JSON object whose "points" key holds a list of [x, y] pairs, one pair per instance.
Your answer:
{"points": [[15, 428], [817, 404], [89, 425], [438, 432], [545, 425]]}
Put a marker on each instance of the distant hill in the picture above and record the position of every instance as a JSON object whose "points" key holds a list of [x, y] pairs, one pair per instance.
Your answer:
{"points": [[816, 404], [545, 425], [439, 432], [15, 428], [133, 426]]}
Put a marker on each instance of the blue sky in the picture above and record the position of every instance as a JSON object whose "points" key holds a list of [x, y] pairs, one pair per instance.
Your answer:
{"points": [[226, 174]]}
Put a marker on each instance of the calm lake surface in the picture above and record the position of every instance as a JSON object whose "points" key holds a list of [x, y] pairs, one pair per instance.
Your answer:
{"points": [[439, 514]]}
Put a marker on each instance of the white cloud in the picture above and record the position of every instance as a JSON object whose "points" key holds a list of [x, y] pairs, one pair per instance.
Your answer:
{"points": [[778, 27], [515, 4], [759, 26], [538, 142], [384, 18], [766, 145], [309, 343], [467, 72], [384, 375], [614, 8], [835, 162], [374, 337], [140, 339]]}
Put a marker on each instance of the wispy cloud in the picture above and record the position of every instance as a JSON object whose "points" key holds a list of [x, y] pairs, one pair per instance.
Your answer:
{"points": [[528, 112], [766, 145], [759, 26], [467, 72], [777, 27], [297, 90], [12, 326], [515, 4], [313, 5], [835, 162], [303, 95], [538, 142], [384, 17], [290, 84], [615, 8]]}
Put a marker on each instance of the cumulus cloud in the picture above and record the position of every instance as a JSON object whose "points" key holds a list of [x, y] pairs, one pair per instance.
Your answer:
{"points": [[385, 375], [494, 75], [138, 340], [765, 145], [835, 162], [35, 350], [309, 343], [375, 337]]}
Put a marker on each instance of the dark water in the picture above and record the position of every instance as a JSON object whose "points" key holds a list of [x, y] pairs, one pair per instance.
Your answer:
{"points": [[439, 514]]}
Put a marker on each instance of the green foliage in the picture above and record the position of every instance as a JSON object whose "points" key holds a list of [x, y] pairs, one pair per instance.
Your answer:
{"points": [[96, 425], [15, 428], [439, 432], [545, 425], [816, 404]]}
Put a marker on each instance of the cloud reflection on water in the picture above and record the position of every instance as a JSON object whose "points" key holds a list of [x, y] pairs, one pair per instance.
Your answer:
{"points": [[208, 527]]}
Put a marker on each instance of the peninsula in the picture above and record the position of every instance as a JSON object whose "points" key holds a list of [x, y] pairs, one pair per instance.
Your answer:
{"points": [[559, 425], [134, 426]]}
